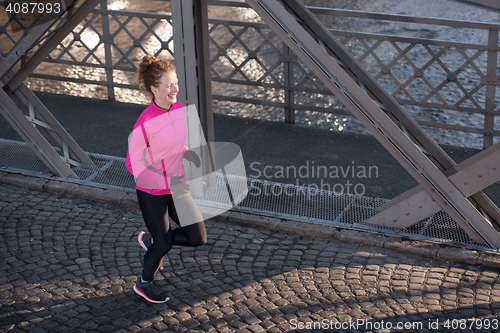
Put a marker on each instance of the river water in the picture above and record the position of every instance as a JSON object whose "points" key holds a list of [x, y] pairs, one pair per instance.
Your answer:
{"points": [[425, 8]]}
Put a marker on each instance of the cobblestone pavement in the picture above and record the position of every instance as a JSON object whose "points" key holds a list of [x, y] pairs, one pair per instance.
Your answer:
{"points": [[69, 265]]}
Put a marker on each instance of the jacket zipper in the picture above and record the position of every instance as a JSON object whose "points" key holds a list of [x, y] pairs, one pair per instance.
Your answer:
{"points": [[171, 118]]}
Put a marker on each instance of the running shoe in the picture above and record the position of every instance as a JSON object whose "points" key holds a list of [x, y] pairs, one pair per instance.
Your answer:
{"points": [[150, 291], [144, 240]]}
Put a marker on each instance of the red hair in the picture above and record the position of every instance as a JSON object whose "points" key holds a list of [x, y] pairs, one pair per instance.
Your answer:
{"points": [[151, 70]]}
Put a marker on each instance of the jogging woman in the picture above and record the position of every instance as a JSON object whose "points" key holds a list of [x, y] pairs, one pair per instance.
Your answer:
{"points": [[155, 155]]}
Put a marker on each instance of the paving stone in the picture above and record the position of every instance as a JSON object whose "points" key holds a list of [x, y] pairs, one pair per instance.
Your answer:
{"points": [[69, 265]]}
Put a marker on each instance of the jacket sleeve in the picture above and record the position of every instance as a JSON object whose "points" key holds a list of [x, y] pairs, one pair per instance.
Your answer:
{"points": [[137, 149], [142, 164]]}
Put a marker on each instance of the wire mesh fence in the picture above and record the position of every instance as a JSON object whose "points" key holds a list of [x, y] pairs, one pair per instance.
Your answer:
{"points": [[280, 200]]}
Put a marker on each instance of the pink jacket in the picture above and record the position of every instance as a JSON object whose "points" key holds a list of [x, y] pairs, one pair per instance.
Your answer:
{"points": [[156, 148]]}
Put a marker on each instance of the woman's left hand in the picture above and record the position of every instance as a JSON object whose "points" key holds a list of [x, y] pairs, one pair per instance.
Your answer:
{"points": [[191, 156]]}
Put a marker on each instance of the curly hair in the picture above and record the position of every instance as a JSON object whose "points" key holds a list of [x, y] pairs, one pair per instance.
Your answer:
{"points": [[151, 70]]}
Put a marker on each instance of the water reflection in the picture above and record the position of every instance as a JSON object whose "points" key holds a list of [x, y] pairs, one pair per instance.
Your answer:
{"points": [[118, 5], [90, 50]]}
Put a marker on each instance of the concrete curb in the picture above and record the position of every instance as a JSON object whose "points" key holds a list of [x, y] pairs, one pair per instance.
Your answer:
{"points": [[440, 252]]}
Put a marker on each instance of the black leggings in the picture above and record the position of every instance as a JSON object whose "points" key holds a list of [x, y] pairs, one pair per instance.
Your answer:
{"points": [[156, 210]]}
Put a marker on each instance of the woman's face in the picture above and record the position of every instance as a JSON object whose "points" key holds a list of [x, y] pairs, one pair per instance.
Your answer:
{"points": [[166, 91]]}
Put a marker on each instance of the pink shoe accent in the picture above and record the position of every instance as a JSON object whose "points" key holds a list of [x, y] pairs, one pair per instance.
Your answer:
{"points": [[140, 240]]}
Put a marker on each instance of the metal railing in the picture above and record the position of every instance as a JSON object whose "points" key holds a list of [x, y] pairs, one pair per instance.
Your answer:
{"points": [[287, 201], [250, 64]]}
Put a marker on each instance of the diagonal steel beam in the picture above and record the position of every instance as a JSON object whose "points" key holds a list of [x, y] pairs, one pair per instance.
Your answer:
{"points": [[376, 109], [33, 35], [470, 177], [39, 115], [53, 40], [23, 46], [73, 154], [32, 137], [15, 93]]}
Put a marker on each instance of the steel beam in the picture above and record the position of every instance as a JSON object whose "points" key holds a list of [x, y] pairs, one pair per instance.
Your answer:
{"points": [[48, 46], [15, 93], [192, 61], [31, 37], [32, 137], [41, 116], [108, 42], [192, 58], [470, 177], [185, 51], [376, 109], [23, 46]]}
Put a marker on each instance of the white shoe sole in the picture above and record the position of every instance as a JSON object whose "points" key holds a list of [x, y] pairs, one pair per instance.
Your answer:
{"points": [[139, 239]]}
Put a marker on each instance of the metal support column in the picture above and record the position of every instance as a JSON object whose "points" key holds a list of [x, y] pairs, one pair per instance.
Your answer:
{"points": [[185, 51], [192, 60], [107, 50], [289, 84], [205, 106], [383, 116], [491, 83]]}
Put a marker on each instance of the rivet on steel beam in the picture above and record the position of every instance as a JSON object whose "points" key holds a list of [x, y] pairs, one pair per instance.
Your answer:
{"points": [[466, 182], [419, 206], [394, 220], [407, 213], [494, 167], [480, 175]]}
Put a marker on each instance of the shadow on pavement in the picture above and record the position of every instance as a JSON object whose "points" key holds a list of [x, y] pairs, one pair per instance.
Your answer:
{"points": [[69, 265]]}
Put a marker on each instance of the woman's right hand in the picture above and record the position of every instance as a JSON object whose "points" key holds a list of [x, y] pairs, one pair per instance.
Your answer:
{"points": [[191, 156]]}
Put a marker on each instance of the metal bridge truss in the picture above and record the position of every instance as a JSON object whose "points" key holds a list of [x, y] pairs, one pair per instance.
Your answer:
{"points": [[418, 72], [18, 104], [457, 189]]}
